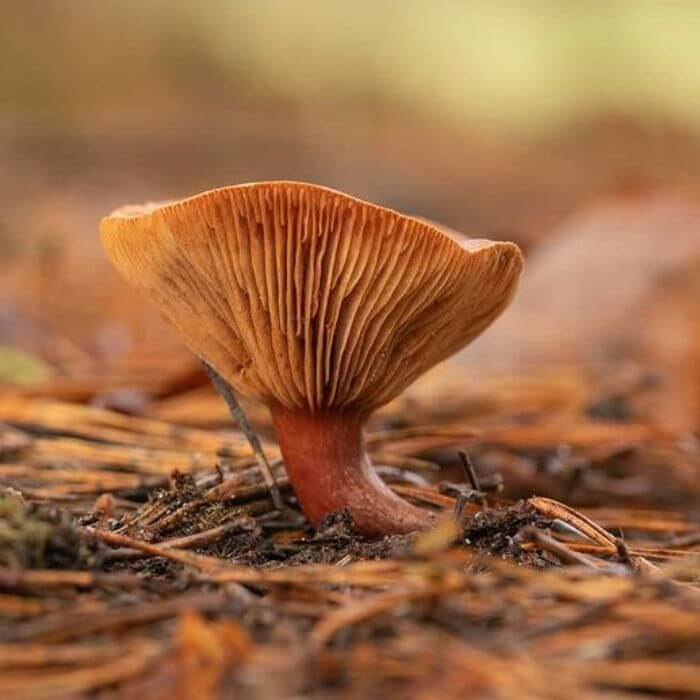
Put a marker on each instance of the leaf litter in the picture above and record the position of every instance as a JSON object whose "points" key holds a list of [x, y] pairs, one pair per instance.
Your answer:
{"points": [[143, 555]]}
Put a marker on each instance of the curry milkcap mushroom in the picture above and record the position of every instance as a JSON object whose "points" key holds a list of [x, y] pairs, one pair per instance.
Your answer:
{"points": [[320, 305]]}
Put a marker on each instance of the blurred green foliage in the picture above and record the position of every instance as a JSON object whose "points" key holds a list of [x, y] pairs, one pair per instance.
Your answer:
{"points": [[513, 63], [19, 368]]}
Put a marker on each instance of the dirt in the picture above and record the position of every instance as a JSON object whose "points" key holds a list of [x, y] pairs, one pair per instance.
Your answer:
{"points": [[286, 539], [495, 532]]}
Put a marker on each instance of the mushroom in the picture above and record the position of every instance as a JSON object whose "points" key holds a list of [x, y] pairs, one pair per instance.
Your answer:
{"points": [[320, 305]]}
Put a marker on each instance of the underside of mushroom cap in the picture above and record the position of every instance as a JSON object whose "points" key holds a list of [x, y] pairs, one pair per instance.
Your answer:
{"points": [[303, 296]]}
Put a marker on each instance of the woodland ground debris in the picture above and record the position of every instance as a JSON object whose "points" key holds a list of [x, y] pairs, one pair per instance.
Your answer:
{"points": [[135, 560]]}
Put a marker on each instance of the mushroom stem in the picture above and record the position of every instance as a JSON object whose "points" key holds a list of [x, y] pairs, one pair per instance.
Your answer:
{"points": [[331, 472]]}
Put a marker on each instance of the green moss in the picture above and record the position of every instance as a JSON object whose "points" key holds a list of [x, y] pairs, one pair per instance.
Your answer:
{"points": [[41, 537], [19, 368]]}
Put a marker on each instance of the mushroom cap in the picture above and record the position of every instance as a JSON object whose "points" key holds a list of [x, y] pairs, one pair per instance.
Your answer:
{"points": [[306, 297]]}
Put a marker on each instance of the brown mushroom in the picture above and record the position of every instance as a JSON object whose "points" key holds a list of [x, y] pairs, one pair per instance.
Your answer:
{"points": [[320, 305]]}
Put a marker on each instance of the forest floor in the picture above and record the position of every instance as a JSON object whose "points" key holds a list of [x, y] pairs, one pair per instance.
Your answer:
{"points": [[142, 554]]}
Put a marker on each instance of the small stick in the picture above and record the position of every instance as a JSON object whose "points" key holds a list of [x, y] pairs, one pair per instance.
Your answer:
{"points": [[473, 477], [45, 578], [207, 537], [460, 505], [688, 540], [623, 553], [561, 527], [470, 470], [225, 391], [200, 562], [531, 534]]}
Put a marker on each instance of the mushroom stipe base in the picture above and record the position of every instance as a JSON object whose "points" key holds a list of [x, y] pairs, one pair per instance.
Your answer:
{"points": [[330, 472]]}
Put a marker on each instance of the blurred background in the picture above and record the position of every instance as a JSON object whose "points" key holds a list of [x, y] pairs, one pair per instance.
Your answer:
{"points": [[571, 128]]}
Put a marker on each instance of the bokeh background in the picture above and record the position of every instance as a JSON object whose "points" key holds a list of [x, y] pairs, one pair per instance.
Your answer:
{"points": [[569, 127]]}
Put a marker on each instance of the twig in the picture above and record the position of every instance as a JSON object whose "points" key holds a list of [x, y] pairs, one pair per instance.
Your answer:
{"points": [[473, 477], [198, 561], [226, 392], [208, 537], [552, 509], [623, 552], [566, 555], [74, 682], [470, 470], [364, 610], [48, 578]]}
